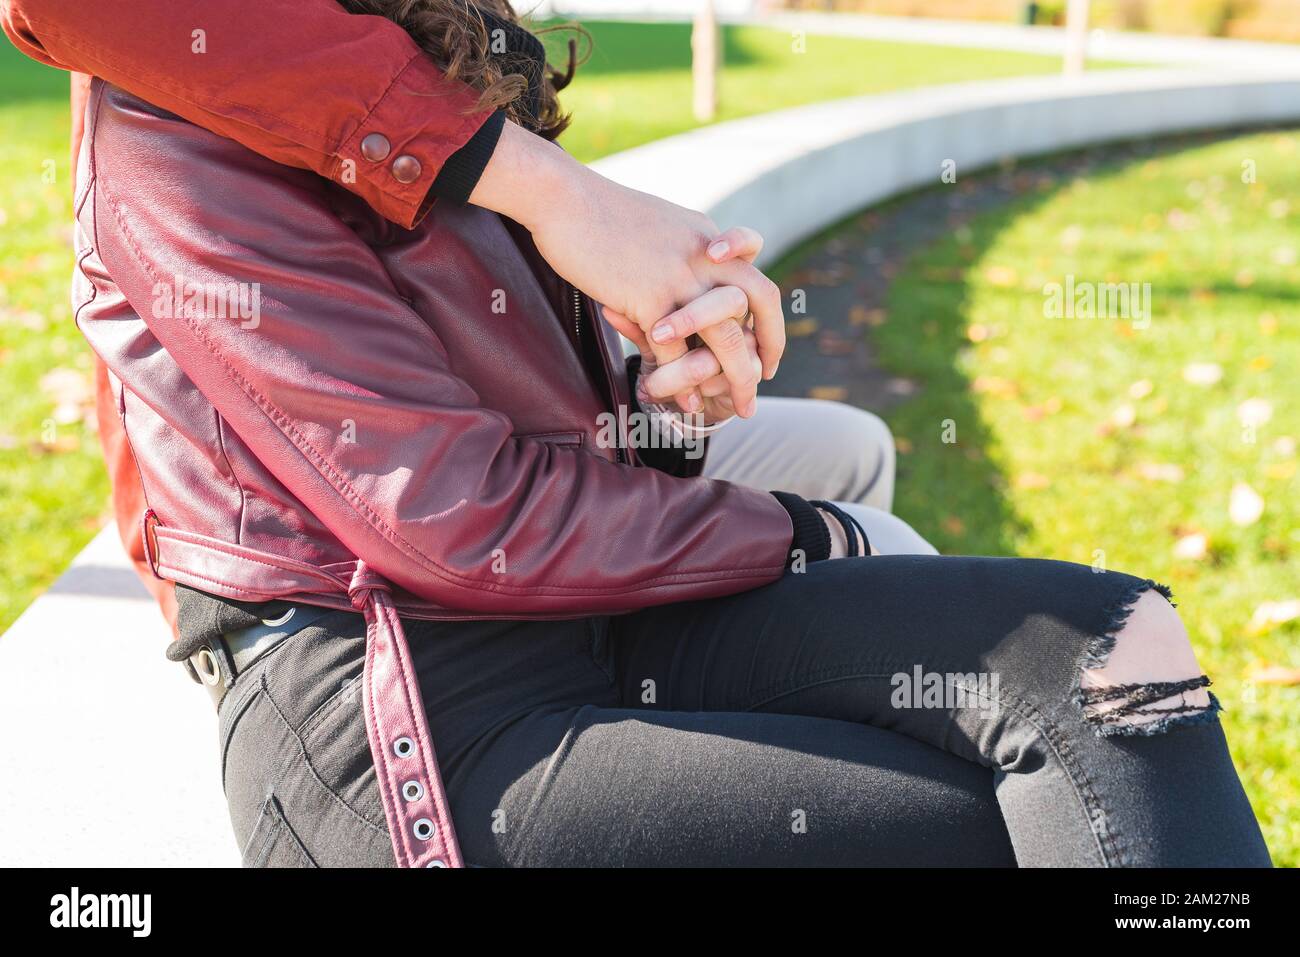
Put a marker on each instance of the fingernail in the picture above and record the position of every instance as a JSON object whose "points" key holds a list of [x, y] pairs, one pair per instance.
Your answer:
{"points": [[719, 249], [693, 404], [661, 333], [772, 375]]}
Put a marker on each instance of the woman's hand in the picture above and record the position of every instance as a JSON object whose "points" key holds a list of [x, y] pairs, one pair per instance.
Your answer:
{"points": [[639, 255], [706, 375]]}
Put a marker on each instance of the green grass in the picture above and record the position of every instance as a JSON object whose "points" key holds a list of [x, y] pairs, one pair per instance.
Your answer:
{"points": [[1082, 439], [52, 482], [636, 88]]}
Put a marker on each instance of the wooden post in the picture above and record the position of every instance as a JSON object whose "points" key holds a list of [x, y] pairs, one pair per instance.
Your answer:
{"points": [[1076, 37], [706, 47]]}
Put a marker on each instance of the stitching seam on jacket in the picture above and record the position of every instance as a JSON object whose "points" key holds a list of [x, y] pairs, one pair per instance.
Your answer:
{"points": [[363, 508]]}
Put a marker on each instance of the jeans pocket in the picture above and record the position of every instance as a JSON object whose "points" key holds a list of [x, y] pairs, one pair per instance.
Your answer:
{"points": [[273, 842], [336, 746]]}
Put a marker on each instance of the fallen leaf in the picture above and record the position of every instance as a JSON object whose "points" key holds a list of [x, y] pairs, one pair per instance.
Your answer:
{"points": [[1161, 471], [862, 316], [1124, 416], [902, 445], [1276, 675], [976, 332], [1245, 505], [954, 525], [801, 328], [995, 386], [831, 393], [1192, 547], [833, 344], [1002, 276], [1260, 363], [1270, 614], [1030, 481], [1202, 373], [1255, 411], [1141, 389]]}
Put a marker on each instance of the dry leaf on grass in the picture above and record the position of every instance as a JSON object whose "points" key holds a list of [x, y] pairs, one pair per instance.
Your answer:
{"points": [[1192, 547], [1202, 373], [1276, 675], [1245, 505], [831, 393], [1270, 614], [801, 328]]}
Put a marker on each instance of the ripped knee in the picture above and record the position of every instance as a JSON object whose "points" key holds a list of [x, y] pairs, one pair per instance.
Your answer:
{"points": [[1141, 676]]}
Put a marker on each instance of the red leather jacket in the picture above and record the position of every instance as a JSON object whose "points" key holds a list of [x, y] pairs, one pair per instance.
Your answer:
{"points": [[328, 408], [379, 408]]}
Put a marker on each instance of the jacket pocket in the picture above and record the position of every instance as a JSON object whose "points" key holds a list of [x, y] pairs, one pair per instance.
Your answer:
{"points": [[555, 438], [273, 842]]}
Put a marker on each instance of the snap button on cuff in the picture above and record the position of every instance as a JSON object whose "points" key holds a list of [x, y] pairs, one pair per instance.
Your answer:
{"points": [[375, 147], [406, 168]]}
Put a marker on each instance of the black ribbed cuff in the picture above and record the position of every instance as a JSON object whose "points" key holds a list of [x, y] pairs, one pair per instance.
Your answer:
{"points": [[811, 536], [461, 173]]}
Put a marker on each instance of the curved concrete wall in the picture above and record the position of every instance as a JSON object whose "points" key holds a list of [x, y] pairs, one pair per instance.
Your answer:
{"points": [[792, 173]]}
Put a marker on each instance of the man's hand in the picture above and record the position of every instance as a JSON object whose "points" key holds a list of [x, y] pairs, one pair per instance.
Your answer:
{"points": [[640, 256]]}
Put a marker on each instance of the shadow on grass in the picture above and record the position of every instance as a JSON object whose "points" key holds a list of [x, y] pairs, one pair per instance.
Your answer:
{"points": [[911, 260], [949, 487]]}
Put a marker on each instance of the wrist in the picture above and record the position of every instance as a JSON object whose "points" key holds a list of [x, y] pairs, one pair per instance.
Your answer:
{"points": [[529, 179], [839, 544]]}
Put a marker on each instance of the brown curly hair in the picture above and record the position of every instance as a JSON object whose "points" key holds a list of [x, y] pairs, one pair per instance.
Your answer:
{"points": [[454, 34]]}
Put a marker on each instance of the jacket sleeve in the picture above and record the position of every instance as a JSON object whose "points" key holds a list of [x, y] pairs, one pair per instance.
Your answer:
{"points": [[347, 396], [301, 82]]}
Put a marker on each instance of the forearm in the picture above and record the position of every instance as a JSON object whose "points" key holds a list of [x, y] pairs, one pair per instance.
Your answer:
{"points": [[299, 81], [531, 180]]}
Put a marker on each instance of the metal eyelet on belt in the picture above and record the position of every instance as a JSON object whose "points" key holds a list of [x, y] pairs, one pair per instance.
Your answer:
{"points": [[436, 862], [412, 791], [403, 747], [205, 663], [282, 620], [423, 829]]}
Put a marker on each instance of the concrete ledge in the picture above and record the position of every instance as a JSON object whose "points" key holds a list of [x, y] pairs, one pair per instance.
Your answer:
{"points": [[792, 173], [108, 752]]}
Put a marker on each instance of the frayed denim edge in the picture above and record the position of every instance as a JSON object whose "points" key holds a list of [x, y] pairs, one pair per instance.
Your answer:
{"points": [[1099, 650]]}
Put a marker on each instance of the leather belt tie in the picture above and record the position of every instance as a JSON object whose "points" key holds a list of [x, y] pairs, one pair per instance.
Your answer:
{"points": [[411, 788]]}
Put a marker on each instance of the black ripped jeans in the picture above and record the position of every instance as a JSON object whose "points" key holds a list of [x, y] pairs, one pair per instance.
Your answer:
{"points": [[895, 710]]}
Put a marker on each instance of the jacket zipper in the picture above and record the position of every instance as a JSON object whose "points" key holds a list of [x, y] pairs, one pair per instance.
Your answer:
{"points": [[619, 452]]}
